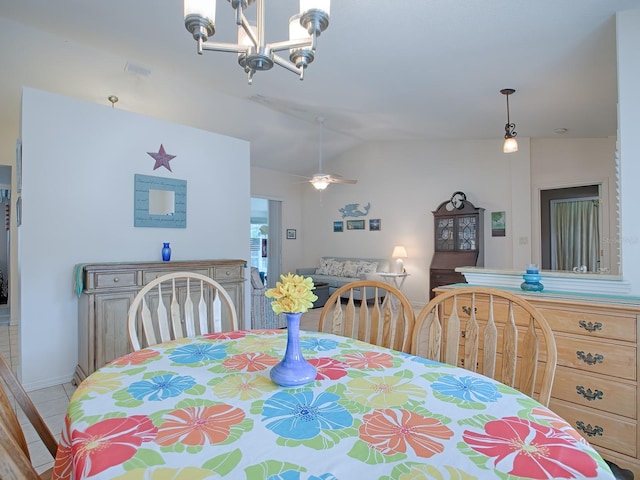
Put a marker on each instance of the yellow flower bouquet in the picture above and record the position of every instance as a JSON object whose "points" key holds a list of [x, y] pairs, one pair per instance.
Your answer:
{"points": [[293, 294]]}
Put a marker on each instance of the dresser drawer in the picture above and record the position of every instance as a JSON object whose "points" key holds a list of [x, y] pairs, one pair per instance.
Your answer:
{"points": [[152, 275], [114, 279], [605, 430], [220, 274], [615, 360], [595, 391], [592, 323]]}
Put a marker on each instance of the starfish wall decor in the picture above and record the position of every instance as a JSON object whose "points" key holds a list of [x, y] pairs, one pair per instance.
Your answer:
{"points": [[162, 158]]}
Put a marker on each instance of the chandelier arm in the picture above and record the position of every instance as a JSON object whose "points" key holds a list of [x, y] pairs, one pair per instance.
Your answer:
{"points": [[296, 43], [244, 23], [224, 47], [287, 64]]}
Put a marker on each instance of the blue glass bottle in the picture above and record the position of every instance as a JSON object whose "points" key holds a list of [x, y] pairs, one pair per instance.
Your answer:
{"points": [[166, 252]]}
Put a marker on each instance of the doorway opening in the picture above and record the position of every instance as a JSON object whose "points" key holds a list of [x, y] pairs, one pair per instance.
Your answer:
{"points": [[266, 244], [5, 257], [570, 227]]}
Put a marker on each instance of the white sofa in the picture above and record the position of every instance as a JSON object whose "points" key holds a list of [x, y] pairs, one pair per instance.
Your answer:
{"points": [[338, 271]]}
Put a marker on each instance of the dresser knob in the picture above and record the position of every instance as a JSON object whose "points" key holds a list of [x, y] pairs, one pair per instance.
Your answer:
{"points": [[588, 393], [116, 279], [589, 358], [228, 272], [590, 327]]}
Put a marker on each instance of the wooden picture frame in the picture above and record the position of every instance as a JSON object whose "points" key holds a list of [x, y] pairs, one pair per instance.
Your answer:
{"points": [[374, 225], [338, 226], [291, 233]]}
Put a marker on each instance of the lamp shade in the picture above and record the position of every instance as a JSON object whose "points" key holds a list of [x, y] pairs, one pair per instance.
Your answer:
{"points": [[202, 8], [510, 145], [399, 252]]}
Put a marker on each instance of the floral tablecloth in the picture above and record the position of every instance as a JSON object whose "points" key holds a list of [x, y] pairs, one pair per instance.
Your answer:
{"points": [[206, 408]]}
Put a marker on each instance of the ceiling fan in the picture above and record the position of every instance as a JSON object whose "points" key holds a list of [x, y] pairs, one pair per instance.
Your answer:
{"points": [[321, 180]]}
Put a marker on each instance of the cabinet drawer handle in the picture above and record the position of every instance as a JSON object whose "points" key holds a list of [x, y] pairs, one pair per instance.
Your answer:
{"points": [[116, 279], [588, 429], [467, 310], [590, 359], [590, 327], [462, 363], [227, 272], [588, 393]]}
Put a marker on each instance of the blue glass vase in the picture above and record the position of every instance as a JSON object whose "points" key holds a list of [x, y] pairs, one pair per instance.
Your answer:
{"points": [[293, 370], [166, 252], [532, 282]]}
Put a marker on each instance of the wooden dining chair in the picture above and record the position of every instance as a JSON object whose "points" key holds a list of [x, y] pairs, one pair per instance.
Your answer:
{"points": [[386, 320], [493, 332], [17, 464], [178, 305]]}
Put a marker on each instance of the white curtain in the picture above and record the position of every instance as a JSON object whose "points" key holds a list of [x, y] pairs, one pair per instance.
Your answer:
{"points": [[575, 234]]}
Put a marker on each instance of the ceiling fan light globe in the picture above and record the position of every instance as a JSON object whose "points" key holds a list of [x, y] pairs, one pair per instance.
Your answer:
{"points": [[320, 183]]}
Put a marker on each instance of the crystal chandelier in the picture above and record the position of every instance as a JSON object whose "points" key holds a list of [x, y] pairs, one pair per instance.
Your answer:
{"points": [[510, 143], [253, 53]]}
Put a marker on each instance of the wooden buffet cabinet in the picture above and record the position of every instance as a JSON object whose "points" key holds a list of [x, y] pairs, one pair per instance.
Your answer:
{"points": [[109, 289], [596, 385]]}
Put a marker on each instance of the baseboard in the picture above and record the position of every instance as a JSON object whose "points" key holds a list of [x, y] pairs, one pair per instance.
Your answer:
{"points": [[50, 382]]}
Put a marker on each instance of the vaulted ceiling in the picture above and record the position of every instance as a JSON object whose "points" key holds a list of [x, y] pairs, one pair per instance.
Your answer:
{"points": [[384, 70]]}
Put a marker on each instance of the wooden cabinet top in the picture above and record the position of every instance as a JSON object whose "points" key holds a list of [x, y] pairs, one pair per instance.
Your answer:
{"points": [[174, 265]]}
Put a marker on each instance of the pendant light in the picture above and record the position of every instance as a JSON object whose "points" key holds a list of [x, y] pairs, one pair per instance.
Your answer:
{"points": [[510, 143]]}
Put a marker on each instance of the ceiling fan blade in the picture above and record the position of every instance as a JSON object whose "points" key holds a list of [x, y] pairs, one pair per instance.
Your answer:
{"points": [[342, 180]]}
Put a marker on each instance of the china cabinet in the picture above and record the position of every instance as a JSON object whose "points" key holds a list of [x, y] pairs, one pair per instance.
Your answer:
{"points": [[109, 288], [458, 241]]}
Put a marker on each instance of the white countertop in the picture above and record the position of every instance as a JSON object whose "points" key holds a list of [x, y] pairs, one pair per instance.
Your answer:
{"points": [[561, 281]]}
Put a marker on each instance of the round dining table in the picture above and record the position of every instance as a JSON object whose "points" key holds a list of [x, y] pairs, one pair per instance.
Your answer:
{"points": [[206, 407]]}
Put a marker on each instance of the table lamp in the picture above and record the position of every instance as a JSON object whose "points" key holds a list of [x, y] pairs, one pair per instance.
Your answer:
{"points": [[399, 252]]}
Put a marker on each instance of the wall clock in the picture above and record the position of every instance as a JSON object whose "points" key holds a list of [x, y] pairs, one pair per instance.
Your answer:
{"points": [[457, 200]]}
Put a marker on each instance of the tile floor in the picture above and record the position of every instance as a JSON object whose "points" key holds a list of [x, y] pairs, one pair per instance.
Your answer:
{"points": [[51, 402]]}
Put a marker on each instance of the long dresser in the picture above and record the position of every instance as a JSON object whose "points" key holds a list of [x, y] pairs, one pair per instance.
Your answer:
{"points": [[109, 288], [596, 385]]}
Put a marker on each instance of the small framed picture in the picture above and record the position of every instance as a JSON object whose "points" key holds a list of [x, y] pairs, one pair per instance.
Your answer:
{"points": [[355, 224], [498, 224], [338, 226], [374, 225], [291, 233]]}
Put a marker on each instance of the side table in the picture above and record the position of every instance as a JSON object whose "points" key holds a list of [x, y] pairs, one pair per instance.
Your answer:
{"points": [[395, 279]]}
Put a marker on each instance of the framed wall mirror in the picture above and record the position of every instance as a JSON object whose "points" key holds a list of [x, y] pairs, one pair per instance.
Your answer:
{"points": [[159, 202]]}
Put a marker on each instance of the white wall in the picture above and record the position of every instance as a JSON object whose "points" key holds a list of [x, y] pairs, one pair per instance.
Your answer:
{"points": [[406, 181], [628, 40], [79, 161]]}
